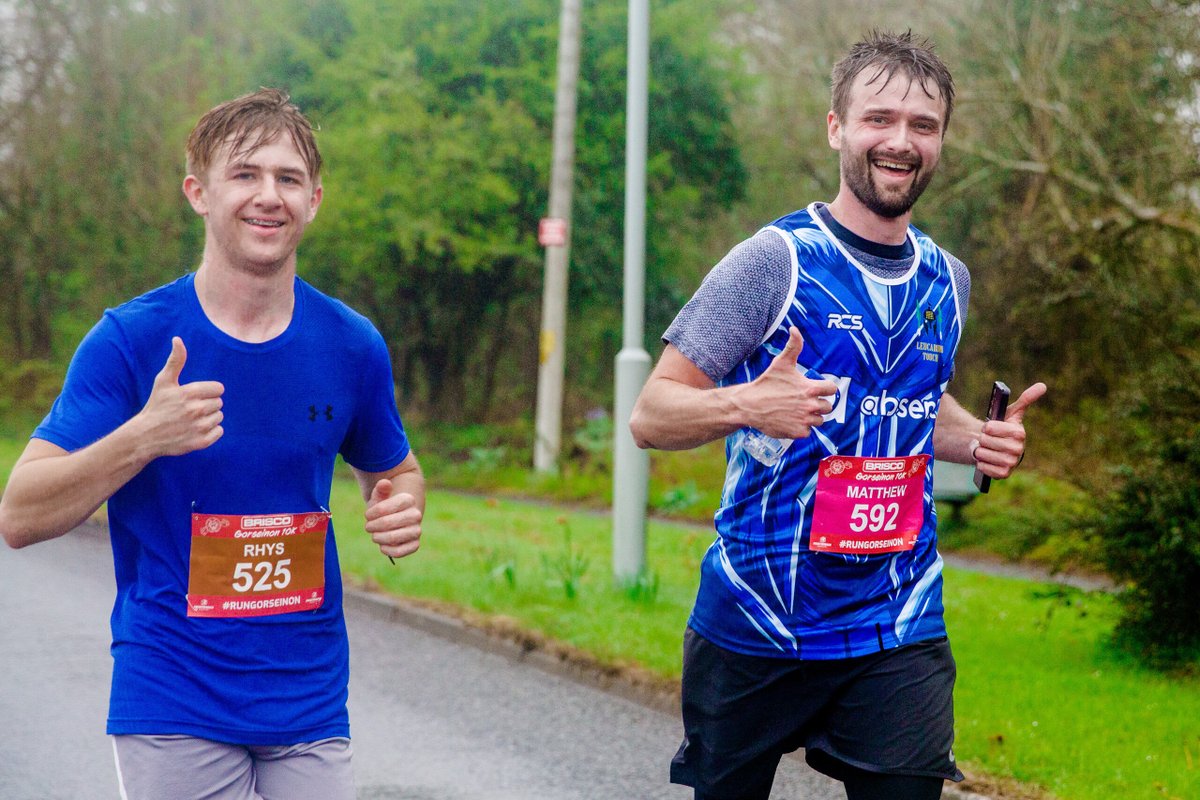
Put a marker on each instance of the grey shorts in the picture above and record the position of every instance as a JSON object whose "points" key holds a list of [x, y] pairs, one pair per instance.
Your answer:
{"points": [[189, 768]]}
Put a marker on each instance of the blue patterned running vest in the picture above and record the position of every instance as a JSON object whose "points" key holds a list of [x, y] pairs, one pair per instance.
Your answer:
{"points": [[889, 345]]}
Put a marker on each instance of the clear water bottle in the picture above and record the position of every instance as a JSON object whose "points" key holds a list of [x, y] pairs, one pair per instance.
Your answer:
{"points": [[767, 450]]}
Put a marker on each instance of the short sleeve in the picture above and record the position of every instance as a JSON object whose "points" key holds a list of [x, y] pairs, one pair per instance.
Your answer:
{"points": [[962, 283], [375, 440], [735, 307], [99, 393]]}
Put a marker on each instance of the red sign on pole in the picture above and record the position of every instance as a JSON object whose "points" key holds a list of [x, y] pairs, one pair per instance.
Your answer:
{"points": [[552, 232]]}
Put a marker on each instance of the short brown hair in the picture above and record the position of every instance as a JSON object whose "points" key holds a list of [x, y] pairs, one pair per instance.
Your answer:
{"points": [[889, 53], [247, 123]]}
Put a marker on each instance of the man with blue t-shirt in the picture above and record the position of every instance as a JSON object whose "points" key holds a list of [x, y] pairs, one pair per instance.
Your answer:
{"points": [[208, 413], [821, 349]]}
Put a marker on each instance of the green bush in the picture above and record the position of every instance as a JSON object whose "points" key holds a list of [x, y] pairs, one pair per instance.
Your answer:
{"points": [[1149, 527]]}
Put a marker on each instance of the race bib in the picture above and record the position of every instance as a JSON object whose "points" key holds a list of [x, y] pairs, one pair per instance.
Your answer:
{"points": [[868, 505], [256, 565]]}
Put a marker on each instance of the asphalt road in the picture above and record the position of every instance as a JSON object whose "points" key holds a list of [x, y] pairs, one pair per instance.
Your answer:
{"points": [[434, 717]]}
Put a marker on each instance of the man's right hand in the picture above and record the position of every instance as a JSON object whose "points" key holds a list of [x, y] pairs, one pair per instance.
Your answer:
{"points": [[181, 418], [51, 491], [782, 402]]}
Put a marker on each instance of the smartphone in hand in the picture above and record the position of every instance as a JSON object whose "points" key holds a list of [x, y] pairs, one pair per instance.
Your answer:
{"points": [[996, 409]]}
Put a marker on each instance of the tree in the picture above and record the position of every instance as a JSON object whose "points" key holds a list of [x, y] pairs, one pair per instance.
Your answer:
{"points": [[34, 37], [90, 210], [435, 119], [1072, 189]]}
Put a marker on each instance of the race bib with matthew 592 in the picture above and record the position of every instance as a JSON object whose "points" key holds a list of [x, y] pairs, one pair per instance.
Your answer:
{"points": [[868, 505]]}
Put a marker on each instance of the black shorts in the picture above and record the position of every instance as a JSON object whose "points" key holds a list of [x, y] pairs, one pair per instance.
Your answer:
{"points": [[890, 712]]}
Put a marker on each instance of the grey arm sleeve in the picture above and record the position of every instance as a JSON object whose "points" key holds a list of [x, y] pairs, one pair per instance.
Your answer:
{"points": [[962, 285], [735, 306], [962, 282]]}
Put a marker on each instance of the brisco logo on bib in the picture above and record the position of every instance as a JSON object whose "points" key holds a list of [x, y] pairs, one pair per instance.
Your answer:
{"points": [[266, 522]]}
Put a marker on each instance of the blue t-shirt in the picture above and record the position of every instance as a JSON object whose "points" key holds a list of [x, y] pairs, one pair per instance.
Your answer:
{"points": [[889, 345], [291, 405]]}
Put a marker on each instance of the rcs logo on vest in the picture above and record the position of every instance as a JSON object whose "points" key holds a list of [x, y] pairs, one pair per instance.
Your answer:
{"points": [[845, 322]]}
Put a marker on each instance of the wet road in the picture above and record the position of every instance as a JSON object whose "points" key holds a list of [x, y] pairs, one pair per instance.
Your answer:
{"points": [[432, 718]]}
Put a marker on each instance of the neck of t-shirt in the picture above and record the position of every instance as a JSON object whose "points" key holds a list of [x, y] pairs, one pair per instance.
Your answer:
{"points": [[886, 252]]}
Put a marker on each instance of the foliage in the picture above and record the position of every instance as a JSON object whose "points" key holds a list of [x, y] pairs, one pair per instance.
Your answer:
{"points": [[33, 385], [1073, 186], [1070, 190], [499, 563], [1068, 183], [496, 458], [1029, 517], [592, 442], [92, 119], [679, 498], [436, 122], [643, 588], [1150, 525], [1069, 186], [566, 567]]}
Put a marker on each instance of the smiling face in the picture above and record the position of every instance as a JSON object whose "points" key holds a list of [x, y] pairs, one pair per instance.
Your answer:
{"points": [[889, 141], [256, 205]]}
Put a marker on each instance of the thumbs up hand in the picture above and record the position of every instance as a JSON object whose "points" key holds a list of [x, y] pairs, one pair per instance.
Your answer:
{"points": [[394, 521], [179, 418], [171, 371], [782, 402], [1000, 446]]}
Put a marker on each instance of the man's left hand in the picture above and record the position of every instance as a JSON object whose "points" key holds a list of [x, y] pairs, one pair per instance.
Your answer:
{"points": [[394, 521], [1001, 443]]}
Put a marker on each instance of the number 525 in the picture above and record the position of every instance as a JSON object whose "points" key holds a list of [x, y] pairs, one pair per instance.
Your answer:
{"points": [[271, 575]]}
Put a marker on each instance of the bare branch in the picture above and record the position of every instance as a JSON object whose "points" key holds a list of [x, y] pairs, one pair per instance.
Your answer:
{"points": [[1123, 199]]}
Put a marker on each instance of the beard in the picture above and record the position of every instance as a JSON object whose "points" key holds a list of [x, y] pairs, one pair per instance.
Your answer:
{"points": [[856, 170]]}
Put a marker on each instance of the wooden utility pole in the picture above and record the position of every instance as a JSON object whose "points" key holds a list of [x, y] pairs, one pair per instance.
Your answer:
{"points": [[554, 234]]}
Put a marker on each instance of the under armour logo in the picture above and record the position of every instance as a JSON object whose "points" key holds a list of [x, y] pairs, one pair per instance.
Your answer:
{"points": [[312, 413]]}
